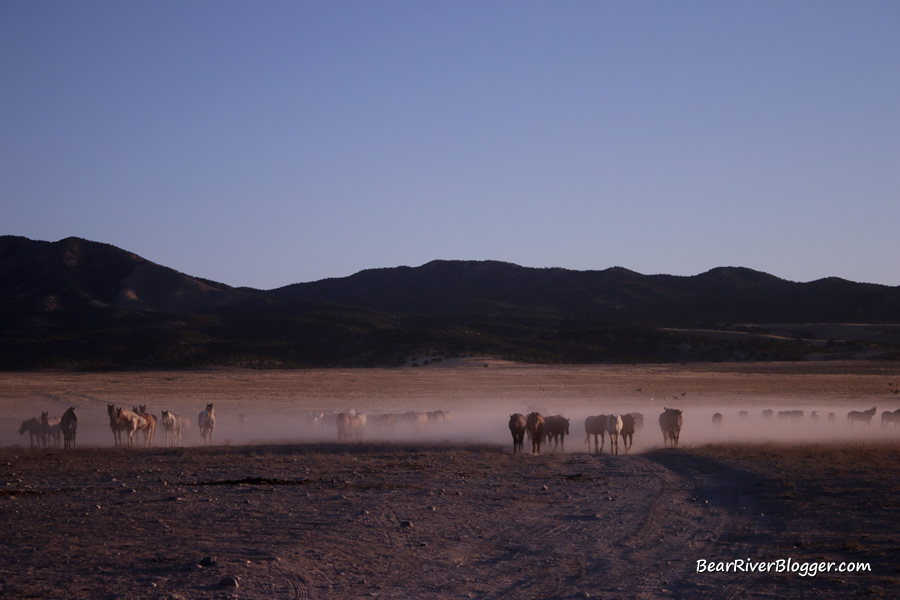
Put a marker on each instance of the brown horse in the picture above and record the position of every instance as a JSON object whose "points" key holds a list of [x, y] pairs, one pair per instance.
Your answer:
{"points": [[890, 417], [670, 423], [35, 430], [517, 426], [628, 425], [595, 426], [863, 416], [534, 425], [207, 422], [114, 424], [69, 425], [557, 428]]}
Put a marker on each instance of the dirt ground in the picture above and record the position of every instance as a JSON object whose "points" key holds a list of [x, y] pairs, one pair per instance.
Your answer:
{"points": [[276, 508]]}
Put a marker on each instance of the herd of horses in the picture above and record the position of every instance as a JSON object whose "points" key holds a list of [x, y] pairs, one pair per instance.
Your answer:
{"points": [[553, 429], [854, 416], [350, 425], [121, 421]]}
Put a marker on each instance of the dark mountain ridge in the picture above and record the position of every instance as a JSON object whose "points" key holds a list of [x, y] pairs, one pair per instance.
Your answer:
{"points": [[81, 304]]}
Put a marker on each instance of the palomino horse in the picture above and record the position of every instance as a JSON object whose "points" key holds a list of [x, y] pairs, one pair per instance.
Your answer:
{"points": [[69, 425], [595, 426], [175, 426], [863, 416], [517, 429], [557, 428], [207, 422], [613, 428], [670, 423], [150, 428], [35, 429], [130, 422], [534, 425]]}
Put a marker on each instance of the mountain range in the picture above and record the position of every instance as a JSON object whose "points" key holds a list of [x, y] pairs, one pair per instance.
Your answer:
{"points": [[78, 304]]}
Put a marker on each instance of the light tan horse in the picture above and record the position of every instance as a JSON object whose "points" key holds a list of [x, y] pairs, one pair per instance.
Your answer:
{"points": [[130, 422], [350, 426], [595, 426], [517, 429], [670, 423], [534, 425], [150, 428], [51, 428], [207, 422], [69, 425]]}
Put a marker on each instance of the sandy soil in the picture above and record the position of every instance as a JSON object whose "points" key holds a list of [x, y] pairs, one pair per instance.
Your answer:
{"points": [[282, 510]]}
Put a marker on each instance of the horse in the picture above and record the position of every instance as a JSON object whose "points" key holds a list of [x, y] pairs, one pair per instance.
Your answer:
{"points": [[69, 425], [207, 422], [534, 425], [51, 427], [864, 416], [670, 423], [613, 428], [594, 426], [628, 426], [35, 428], [557, 428], [890, 417], [114, 424], [517, 426], [173, 425], [130, 422], [150, 428], [350, 426]]}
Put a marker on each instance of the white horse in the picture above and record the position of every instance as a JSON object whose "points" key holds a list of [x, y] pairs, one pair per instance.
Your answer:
{"points": [[207, 422], [174, 426], [613, 428]]}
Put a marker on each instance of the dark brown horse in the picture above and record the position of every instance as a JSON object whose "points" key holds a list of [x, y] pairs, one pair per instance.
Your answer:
{"points": [[556, 429], [670, 422], [535, 426], [69, 425]]}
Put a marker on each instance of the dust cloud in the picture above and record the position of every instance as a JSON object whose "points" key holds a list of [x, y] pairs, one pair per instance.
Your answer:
{"points": [[483, 422]]}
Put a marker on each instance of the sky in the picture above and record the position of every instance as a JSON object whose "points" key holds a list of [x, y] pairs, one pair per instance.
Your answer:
{"points": [[267, 143]]}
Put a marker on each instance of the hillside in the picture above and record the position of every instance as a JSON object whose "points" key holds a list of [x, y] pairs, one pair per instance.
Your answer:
{"points": [[81, 304]]}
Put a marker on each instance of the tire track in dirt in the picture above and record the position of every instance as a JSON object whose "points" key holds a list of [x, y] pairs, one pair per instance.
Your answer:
{"points": [[379, 522]]}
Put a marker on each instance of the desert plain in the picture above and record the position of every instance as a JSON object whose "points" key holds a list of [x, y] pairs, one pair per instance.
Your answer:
{"points": [[276, 507]]}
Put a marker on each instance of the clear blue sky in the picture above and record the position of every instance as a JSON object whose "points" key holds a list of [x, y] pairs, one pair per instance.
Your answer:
{"points": [[268, 143]]}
